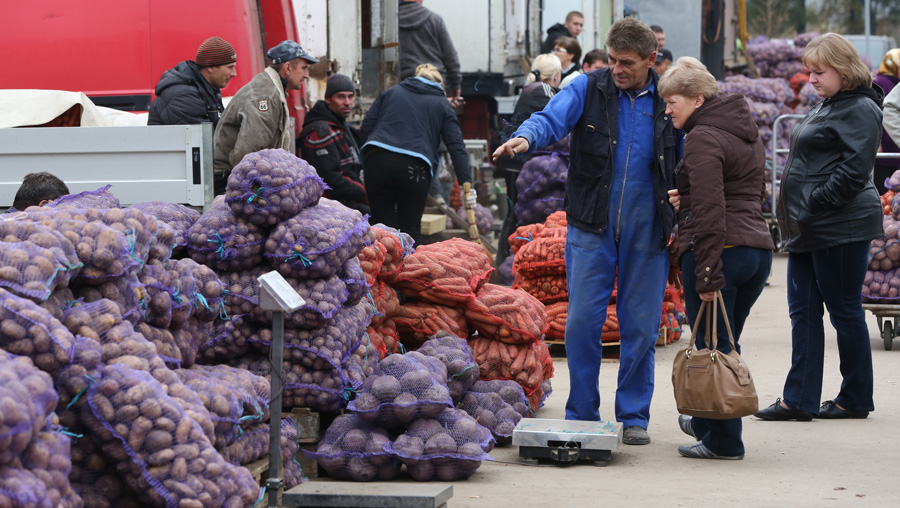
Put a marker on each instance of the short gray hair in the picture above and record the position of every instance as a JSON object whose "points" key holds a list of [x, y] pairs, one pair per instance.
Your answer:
{"points": [[688, 78], [629, 34]]}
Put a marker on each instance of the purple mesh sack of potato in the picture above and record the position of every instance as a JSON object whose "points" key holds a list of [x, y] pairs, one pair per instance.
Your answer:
{"points": [[184, 290], [31, 271], [164, 341], [28, 330], [537, 210], [179, 217], [545, 172], [323, 299], [458, 357], [17, 230], [272, 185], [228, 340], [47, 457], [492, 412], [253, 445], [235, 399], [137, 228], [446, 448], [355, 280], [58, 301], [484, 219], [189, 338], [401, 389], [546, 389], [20, 488], [126, 292], [93, 475], [100, 198], [353, 449], [317, 242], [157, 283], [321, 386], [27, 398], [162, 453], [209, 290], [511, 392], [162, 246], [222, 241], [361, 361]]}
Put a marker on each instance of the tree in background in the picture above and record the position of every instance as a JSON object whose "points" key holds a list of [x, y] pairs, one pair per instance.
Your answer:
{"points": [[847, 17]]}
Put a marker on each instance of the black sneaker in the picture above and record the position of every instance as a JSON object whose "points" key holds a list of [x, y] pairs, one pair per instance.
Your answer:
{"points": [[699, 450]]}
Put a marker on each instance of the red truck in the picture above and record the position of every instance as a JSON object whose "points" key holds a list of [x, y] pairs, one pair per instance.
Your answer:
{"points": [[115, 51]]}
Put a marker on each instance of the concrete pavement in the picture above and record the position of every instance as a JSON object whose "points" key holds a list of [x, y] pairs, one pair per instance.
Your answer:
{"points": [[839, 463]]}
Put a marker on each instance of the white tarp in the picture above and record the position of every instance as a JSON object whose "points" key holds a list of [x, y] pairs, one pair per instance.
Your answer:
{"points": [[36, 107]]}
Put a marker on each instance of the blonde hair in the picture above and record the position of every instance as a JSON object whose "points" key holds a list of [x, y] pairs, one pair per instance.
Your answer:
{"points": [[430, 73], [688, 78], [544, 67], [833, 50], [890, 64]]}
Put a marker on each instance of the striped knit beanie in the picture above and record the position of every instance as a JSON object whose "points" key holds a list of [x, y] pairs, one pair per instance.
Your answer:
{"points": [[215, 51]]}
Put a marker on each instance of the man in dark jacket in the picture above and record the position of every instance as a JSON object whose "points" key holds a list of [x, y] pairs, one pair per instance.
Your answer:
{"points": [[621, 166], [424, 39], [190, 92], [331, 146], [572, 28]]}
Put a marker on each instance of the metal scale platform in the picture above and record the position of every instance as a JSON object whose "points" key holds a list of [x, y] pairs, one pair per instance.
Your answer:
{"points": [[566, 441]]}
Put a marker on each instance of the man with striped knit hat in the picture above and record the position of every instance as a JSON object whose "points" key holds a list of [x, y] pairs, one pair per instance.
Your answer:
{"points": [[190, 92]]}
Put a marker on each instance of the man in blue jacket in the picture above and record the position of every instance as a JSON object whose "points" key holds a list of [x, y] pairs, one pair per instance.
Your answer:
{"points": [[622, 162]]}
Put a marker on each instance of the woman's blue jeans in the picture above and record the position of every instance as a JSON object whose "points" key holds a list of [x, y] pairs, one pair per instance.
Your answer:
{"points": [[745, 270], [833, 277]]}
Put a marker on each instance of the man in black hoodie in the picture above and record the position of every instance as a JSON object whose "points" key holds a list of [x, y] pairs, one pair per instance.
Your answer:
{"points": [[424, 39], [331, 146], [572, 28], [190, 93]]}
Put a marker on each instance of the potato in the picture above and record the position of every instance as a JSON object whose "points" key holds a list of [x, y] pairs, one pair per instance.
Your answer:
{"points": [[222, 241]]}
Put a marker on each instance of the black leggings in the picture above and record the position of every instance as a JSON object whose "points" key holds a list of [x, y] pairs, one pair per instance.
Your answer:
{"points": [[397, 186]]}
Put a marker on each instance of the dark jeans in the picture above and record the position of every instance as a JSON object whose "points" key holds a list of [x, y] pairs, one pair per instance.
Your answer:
{"points": [[832, 276], [745, 270], [397, 186]]}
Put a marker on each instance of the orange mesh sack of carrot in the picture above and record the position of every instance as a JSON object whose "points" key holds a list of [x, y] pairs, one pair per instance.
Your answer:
{"points": [[418, 321], [507, 315], [448, 272]]}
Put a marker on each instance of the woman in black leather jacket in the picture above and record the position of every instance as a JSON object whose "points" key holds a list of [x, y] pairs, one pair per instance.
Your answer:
{"points": [[828, 213]]}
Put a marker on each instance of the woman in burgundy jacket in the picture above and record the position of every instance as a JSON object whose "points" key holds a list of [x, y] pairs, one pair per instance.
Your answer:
{"points": [[724, 243]]}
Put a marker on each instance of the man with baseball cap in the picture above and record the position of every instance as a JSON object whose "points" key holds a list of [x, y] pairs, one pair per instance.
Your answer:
{"points": [[258, 116], [331, 145], [190, 92]]}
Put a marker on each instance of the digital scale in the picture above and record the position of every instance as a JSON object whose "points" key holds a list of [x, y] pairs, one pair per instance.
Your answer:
{"points": [[566, 441]]}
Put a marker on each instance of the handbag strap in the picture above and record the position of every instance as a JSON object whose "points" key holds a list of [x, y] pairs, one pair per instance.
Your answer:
{"points": [[711, 339]]}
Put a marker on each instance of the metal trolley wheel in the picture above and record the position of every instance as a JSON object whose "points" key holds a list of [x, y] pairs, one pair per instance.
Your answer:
{"points": [[887, 334]]}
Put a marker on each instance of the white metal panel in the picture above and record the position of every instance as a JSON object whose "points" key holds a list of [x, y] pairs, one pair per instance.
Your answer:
{"points": [[312, 26], [468, 22], [344, 36], [682, 22], [143, 163]]}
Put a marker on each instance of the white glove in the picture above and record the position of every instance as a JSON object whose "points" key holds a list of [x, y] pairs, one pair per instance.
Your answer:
{"points": [[472, 198]]}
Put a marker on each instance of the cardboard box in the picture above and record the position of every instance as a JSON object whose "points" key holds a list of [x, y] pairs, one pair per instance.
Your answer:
{"points": [[433, 223]]}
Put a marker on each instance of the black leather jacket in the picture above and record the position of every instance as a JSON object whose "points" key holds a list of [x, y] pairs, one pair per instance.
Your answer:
{"points": [[827, 197]]}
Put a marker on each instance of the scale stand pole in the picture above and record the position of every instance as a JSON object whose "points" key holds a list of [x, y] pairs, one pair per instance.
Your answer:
{"points": [[275, 483]]}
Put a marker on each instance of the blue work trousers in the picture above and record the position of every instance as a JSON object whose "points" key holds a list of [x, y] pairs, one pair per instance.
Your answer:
{"points": [[591, 263], [745, 270], [833, 277]]}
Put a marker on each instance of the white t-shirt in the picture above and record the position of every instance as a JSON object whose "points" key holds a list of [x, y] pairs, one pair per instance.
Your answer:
{"points": [[568, 79]]}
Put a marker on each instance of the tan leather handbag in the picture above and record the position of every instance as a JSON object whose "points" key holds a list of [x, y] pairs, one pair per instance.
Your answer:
{"points": [[709, 383]]}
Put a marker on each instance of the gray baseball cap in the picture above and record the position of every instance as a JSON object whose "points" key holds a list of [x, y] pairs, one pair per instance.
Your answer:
{"points": [[289, 50]]}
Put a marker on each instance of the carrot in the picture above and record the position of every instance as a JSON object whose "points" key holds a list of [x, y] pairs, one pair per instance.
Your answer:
{"points": [[519, 364]]}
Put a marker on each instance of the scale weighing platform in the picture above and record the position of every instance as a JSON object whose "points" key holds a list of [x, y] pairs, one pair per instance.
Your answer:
{"points": [[566, 441]]}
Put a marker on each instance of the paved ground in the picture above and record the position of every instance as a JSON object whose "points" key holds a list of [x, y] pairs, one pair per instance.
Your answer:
{"points": [[842, 463]]}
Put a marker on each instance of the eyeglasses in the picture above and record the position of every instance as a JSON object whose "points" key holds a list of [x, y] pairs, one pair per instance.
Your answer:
{"points": [[560, 50]]}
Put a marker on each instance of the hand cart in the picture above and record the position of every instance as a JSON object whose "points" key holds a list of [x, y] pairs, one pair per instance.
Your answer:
{"points": [[888, 327]]}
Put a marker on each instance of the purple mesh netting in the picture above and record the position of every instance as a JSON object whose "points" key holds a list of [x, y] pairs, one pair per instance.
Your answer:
{"points": [[27, 398], [163, 452], [401, 389], [324, 298], [321, 386], [537, 211], [28, 330], [100, 198], [57, 302], [157, 283], [505, 271], [221, 241], [30, 271], [272, 185], [15, 229], [228, 340], [47, 457], [545, 172], [179, 217], [511, 392], [317, 241], [354, 450], [164, 341], [235, 399], [209, 290], [458, 357], [492, 412], [189, 338], [184, 290], [447, 448], [162, 246], [253, 445], [355, 279], [21, 488], [126, 292], [546, 389]]}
